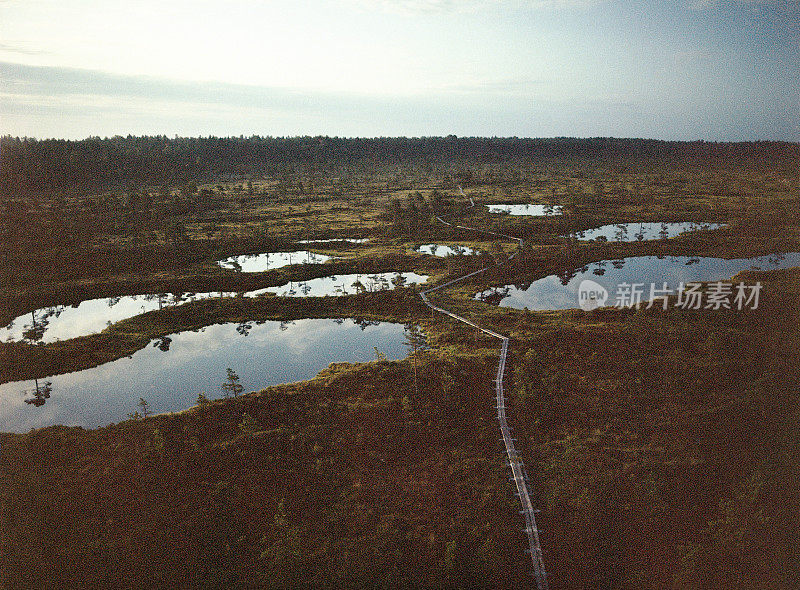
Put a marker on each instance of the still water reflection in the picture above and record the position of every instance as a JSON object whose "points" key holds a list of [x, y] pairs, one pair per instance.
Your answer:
{"points": [[442, 250], [536, 210], [62, 322], [171, 371], [329, 240], [632, 232], [343, 284], [271, 260], [561, 291]]}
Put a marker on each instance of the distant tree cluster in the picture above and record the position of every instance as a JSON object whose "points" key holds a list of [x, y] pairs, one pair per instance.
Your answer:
{"points": [[29, 166]]}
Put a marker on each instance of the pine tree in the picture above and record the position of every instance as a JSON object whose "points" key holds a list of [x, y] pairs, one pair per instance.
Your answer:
{"points": [[145, 408], [232, 387], [415, 340]]}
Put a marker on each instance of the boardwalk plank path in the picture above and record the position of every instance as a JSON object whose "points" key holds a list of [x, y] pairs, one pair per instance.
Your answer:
{"points": [[512, 456]]}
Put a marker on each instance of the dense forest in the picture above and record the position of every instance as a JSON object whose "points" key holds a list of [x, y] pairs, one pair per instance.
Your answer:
{"points": [[30, 166]]}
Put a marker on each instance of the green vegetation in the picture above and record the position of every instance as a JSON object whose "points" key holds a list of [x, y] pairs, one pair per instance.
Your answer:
{"points": [[661, 445]]}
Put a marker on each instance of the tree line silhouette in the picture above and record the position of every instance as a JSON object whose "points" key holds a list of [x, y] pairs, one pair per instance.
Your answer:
{"points": [[29, 166]]}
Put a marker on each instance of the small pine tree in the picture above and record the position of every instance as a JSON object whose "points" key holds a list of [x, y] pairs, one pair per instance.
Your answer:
{"points": [[415, 341], [145, 408], [232, 387]]}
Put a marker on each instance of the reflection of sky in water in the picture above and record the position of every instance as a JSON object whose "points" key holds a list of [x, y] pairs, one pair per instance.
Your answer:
{"points": [[91, 316], [196, 361], [632, 232], [329, 240], [94, 315], [537, 210], [442, 250], [551, 292], [270, 260], [341, 285]]}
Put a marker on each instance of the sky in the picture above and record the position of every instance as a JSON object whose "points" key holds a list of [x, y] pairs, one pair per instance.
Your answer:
{"points": [[720, 70]]}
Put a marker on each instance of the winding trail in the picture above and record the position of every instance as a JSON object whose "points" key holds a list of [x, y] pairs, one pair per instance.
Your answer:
{"points": [[513, 459]]}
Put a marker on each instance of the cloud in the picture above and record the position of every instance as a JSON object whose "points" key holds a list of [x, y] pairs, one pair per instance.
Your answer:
{"points": [[48, 85], [422, 7], [708, 4], [64, 102], [501, 86], [12, 48]]}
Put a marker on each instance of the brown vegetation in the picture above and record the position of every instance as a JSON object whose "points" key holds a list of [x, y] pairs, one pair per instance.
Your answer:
{"points": [[662, 446]]}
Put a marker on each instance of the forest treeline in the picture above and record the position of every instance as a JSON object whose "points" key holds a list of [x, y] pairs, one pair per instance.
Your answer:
{"points": [[29, 166]]}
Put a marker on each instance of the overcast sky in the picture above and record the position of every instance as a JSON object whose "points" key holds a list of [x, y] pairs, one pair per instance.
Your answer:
{"points": [[666, 69]]}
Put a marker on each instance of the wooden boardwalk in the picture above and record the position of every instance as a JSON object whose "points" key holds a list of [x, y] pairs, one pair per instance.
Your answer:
{"points": [[512, 457]]}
